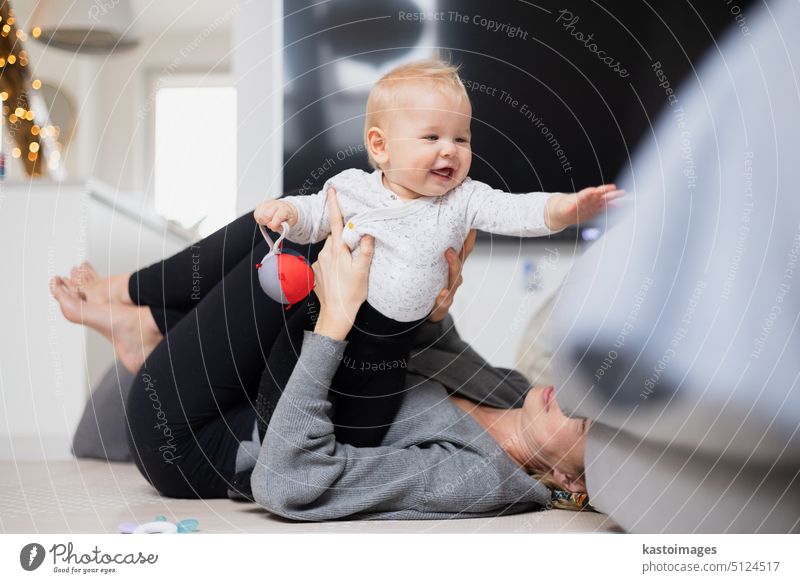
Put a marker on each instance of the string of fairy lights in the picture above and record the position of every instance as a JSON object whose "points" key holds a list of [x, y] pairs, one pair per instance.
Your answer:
{"points": [[24, 114]]}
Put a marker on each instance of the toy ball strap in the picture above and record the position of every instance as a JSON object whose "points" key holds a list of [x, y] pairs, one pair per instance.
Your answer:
{"points": [[274, 248]]}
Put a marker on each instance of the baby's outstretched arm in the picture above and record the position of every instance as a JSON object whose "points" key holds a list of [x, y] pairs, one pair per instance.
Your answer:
{"points": [[563, 210]]}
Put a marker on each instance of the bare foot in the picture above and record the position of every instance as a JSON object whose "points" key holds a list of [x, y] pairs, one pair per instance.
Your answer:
{"points": [[130, 329], [91, 287], [83, 275]]}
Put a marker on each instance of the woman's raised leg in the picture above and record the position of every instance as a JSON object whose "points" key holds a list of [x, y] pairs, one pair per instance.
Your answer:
{"points": [[175, 285], [192, 402]]}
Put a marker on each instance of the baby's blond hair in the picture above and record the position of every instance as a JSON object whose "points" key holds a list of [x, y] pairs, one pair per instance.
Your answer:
{"points": [[383, 95]]}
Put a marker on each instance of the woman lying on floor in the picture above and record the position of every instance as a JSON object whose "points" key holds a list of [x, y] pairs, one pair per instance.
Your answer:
{"points": [[467, 441]]}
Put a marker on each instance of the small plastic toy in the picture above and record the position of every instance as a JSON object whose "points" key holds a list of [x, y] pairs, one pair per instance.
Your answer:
{"points": [[160, 525], [284, 275]]}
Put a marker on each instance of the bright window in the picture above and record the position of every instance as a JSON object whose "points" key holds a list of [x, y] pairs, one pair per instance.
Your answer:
{"points": [[195, 150]]}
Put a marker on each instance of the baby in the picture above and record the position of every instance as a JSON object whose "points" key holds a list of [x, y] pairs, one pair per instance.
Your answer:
{"points": [[416, 204]]}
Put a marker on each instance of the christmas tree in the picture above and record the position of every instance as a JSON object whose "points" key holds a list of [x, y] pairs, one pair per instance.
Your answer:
{"points": [[25, 114]]}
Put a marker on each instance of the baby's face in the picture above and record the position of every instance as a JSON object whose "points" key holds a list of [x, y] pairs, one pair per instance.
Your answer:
{"points": [[427, 143]]}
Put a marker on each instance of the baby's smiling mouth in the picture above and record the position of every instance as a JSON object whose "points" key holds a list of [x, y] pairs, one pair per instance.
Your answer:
{"points": [[443, 172]]}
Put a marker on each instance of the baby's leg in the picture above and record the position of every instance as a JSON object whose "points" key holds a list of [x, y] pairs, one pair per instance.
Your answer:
{"points": [[369, 387]]}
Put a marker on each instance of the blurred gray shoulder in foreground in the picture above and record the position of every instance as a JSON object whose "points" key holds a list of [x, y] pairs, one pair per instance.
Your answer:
{"points": [[691, 340]]}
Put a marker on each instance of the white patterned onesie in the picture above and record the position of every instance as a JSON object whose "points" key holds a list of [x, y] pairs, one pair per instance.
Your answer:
{"points": [[409, 269]]}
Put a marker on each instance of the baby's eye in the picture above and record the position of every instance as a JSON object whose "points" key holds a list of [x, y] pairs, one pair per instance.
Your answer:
{"points": [[462, 140], [431, 138]]}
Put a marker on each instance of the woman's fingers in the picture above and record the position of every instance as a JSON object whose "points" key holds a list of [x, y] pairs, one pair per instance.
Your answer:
{"points": [[469, 245], [334, 217], [445, 299], [453, 269], [367, 247]]}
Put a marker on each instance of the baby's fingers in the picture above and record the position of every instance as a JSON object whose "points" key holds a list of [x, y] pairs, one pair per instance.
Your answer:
{"points": [[602, 189], [278, 217], [263, 214], [596, 192], [614, 194]]}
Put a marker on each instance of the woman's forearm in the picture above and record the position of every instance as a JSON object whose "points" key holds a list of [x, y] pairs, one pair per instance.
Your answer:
{"points": [[334, 327]]}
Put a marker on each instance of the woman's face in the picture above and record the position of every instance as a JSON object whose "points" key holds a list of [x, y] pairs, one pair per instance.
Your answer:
{"points": [[557, 442]]}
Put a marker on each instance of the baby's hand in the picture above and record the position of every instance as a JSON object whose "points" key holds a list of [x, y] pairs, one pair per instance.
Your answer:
{"points": [[564, 210], [271, 213]]}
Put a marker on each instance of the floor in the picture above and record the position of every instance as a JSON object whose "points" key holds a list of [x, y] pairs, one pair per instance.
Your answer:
{"points": [[86, 496]]}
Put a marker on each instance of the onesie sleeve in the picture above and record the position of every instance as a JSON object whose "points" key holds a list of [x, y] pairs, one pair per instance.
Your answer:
{"points": [[312, 217], [503, 213]]}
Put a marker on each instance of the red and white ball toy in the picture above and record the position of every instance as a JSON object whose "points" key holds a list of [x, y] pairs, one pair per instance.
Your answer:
{"points": [[284, 275]]}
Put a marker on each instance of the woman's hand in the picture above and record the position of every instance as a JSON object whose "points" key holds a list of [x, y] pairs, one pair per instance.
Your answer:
{"points": [[455, 262], [340, 281]]}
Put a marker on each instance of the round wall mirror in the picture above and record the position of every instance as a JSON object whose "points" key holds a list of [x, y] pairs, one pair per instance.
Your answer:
{"points": [[62, 111]]}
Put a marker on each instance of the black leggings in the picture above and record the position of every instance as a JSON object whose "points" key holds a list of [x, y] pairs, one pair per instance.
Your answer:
{"points": [[193, 400]]}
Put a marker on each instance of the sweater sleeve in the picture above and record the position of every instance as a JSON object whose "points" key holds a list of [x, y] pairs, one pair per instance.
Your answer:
{"points": [[312, 217], [303, 473], [503, 213]]}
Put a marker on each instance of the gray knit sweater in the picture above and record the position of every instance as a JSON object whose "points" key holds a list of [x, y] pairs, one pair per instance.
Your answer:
{"points": [[435, 461]]}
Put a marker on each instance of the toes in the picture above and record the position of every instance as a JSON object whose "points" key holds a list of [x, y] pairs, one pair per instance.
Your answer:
{"points": [[89, 270], [59, 290], [68, 300], [62, 290], [72, 287], [83, 273], [55, 284], [59, 285]]}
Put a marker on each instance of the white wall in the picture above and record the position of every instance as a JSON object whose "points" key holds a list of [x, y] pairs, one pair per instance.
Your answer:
{"points": [[42, 363], [496, 301]]}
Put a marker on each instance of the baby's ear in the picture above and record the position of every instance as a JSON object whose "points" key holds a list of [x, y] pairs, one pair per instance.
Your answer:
{"points": [[376, 142]]}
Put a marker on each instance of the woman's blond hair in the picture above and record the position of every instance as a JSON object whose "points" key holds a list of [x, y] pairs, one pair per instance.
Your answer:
{"points": [[383, 95], [549, 482]]}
